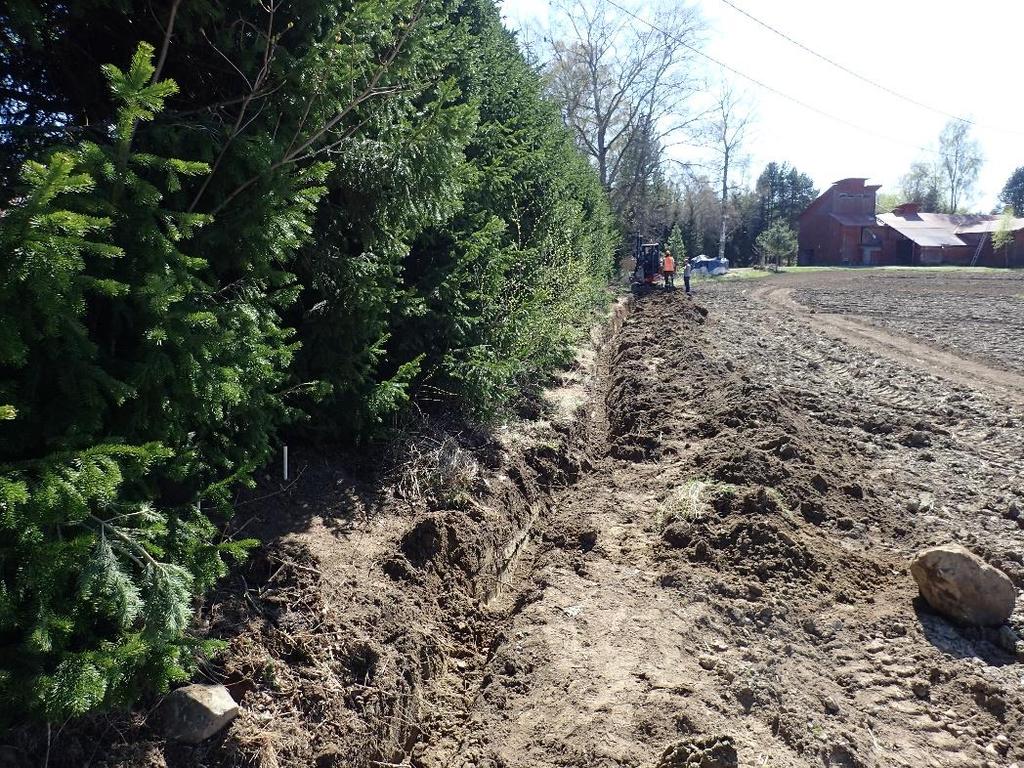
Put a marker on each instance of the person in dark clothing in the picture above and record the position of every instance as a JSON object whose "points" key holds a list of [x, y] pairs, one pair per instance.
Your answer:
{"points": [[687, 269]]}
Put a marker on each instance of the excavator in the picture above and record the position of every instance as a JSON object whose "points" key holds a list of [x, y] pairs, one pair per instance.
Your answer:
{"points": [[648, 262]]}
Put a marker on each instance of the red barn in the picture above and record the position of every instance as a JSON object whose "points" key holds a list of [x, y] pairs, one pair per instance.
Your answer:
{"points": [[841, 228]]}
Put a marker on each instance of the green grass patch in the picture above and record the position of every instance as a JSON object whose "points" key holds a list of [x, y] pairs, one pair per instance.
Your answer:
{"points": [[691, 500]]}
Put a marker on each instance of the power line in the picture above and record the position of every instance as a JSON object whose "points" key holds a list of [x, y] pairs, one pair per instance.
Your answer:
{"points": [[772, 89], [858, 76]]}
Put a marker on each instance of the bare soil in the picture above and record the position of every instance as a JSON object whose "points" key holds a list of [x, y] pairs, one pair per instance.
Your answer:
{"points": [[978, 315], [696, 555]]}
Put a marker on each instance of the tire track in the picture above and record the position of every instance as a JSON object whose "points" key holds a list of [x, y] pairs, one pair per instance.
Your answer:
{"points": [[1002, 385]]}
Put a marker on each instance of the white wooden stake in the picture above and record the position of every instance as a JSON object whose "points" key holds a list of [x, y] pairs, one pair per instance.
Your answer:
{"points": [[286, 462]]}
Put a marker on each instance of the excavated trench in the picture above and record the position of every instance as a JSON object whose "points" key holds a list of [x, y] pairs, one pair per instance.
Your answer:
{"points": [[371, 608], [686, 560]]}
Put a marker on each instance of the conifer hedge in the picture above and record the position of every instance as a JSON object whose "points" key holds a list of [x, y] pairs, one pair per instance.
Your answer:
{"points": [[223, 220]]}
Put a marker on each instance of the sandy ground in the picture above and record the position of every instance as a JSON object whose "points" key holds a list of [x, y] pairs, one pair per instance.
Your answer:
{"points": [[695, 556]]}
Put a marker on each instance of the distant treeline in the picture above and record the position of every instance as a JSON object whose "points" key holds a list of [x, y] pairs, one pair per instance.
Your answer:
{"points": [[223, 219]]}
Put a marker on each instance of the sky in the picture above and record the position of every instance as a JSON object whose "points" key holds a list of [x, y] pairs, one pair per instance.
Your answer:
{"points": [[956, 57]]}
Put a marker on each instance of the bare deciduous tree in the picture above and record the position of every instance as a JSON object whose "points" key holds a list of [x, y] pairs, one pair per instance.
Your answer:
{"points": [[623, 83], [725, 131], [960, 163]]}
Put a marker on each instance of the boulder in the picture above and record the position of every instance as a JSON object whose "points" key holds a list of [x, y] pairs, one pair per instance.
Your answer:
{"points": [[196, 712], [962, 586]]}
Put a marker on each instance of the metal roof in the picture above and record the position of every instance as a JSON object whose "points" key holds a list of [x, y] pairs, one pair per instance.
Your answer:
{"points": [[929, 230], [990, 225], [855, 219]]}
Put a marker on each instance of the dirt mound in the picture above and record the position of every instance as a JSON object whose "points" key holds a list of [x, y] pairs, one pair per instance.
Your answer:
{"points": [[640, 398], [759, 548]]}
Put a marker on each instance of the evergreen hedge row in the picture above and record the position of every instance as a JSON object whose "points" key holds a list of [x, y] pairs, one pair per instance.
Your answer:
{"points": [[221, 220]]}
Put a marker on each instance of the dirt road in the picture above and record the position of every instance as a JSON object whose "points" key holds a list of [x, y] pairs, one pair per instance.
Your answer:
{"points": [[765, 480], [972, 339]]}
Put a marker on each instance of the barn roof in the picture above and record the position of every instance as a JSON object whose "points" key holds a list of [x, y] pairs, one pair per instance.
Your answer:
{"points": [[934, 230], [991, 224], [929, 230]]}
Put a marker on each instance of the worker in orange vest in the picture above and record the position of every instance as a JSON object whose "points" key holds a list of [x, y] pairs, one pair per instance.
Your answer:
{"points": [[668, 269]]}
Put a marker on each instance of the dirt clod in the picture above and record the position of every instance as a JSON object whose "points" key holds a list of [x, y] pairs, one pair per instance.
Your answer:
{"points": [[701, 752]]}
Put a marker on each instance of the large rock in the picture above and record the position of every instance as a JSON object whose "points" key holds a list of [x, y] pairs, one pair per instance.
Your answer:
{"points": [[961, 585], [196, 712]]}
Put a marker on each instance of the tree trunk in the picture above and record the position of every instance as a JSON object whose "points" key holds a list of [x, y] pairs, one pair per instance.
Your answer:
{"points": [[725, 203]]}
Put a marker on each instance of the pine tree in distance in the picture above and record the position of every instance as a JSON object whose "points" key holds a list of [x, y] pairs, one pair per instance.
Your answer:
{"points": [[676, 246]]}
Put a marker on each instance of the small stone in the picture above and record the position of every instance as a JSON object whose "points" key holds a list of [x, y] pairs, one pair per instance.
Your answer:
{"points": [[923, 503], [959, 584], [875, 646], [820, 483], [844, 523], [896, 629], [1012, 511], [707, 662], [196, 712], [921, 689], [787, 451]]}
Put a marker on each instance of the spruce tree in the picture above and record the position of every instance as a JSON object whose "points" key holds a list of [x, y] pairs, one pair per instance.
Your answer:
{"points": [[508, 286], [676, 245], [345, 209], [97, 581]]}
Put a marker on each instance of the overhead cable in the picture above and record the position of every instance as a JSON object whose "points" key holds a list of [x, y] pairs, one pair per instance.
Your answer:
{"points": [[858, 76]]}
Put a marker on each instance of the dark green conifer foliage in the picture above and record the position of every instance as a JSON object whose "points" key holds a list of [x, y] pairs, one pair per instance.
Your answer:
{"points": [[337, 210], [503, 291], [96, 582], [677, 246]]}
